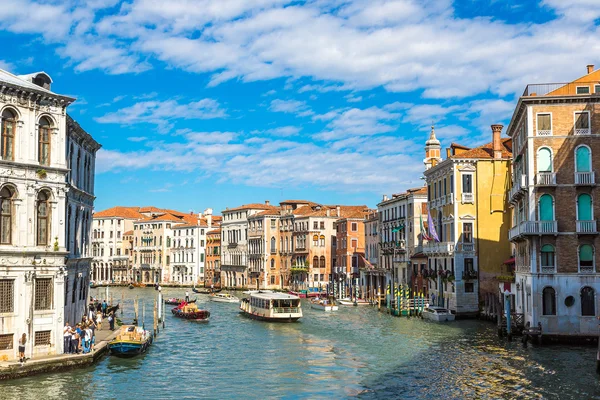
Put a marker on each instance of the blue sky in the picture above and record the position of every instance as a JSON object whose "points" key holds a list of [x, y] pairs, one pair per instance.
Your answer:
{"points": [[216, 103]]}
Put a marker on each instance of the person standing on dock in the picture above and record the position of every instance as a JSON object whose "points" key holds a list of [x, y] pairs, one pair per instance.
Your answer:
{"points": [[187, 296], [111, 321], [99, 321], [67, 338], [104, 307], [22, 342]]}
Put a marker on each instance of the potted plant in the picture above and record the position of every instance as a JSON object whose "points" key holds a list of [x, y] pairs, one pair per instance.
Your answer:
{"points": [[41, 173], [56, 243]]}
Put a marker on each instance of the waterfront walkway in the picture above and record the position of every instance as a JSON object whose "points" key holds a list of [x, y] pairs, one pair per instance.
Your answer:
{"points": [[52, 363]]}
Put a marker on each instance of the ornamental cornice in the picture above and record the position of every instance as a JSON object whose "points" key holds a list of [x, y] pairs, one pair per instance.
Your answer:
{"points": [[33, 99]]}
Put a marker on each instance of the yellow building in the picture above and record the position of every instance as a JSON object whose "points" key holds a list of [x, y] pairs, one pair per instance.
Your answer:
{"points": [[468, 207]]}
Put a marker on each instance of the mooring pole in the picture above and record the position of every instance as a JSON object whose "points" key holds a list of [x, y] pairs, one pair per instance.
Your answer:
{"points": [[507, 310]]}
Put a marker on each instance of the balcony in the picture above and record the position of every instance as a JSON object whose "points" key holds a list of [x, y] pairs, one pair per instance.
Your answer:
{"points": [[518, 189], [232, 245], [587, 227], [469, 275], [439, 248], [467, 198], [545, 179], [558, 89], [582, 131], [467, 247], [393, 247], [533, 228], [450, 198], [585, 178], [544, 132]]}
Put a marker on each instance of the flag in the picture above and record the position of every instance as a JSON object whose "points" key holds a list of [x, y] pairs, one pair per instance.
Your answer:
{"points": [[423, 231], [432, 232], [398, 229], [367, 263]]}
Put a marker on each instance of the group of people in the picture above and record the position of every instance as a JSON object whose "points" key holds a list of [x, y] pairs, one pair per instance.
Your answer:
{"points": [[81, 337]]}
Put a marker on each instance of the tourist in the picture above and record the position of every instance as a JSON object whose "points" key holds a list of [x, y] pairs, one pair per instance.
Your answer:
{"points": [[111, 321], [22, 342], [91, 313], [104, 307], [67, 338], [99, 321], [78, 337], [187, 297], [73, 348]]}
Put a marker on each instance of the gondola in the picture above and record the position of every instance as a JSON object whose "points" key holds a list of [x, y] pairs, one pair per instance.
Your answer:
{"points": [[206, 290], [190, 312], [130, 286], [176, 302]]}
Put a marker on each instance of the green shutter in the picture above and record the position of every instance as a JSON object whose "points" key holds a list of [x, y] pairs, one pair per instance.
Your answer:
{"points": [[584, 207], [546, 208], [583, 159], [586, 253], [544, 161]]}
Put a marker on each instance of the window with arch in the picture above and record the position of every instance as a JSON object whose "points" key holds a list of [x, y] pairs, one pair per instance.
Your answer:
{"points": [[546, 208], [322, 240], [548, 257], [43, 218], [272, 263], [584, 209], [322, 261], [586, 258], [583, 159], [544, 160], [6, 214], [315, 262], [549, 301], [588, 302], [9, 126], [273, 245], [44, 141]]}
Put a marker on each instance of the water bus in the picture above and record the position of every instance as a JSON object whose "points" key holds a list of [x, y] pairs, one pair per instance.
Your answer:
{"points": [[270, 306]]}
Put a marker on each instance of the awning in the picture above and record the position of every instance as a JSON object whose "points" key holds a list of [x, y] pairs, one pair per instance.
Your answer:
{"points": [[509, 261]]}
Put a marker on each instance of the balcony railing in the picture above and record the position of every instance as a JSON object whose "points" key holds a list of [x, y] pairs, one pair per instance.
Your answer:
{"points": [[549, 269], [467, 247], [582, 131], [533, 228], [587, 226], [544, 132], [450, 198], [558, 89], [519, 186], [232, 245], [545, 178], [586, 269], [439, 248], [467, 198], [469, 275], [585, 178]]}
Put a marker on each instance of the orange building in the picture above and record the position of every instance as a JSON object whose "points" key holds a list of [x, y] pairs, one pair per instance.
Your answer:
{"points": [[213, 258]]}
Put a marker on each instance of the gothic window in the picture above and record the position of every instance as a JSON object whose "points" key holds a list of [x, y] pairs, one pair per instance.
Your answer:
{"points": [[322, 261], [584, 207], [588, 300], [6, 214], [43, 219], [44, 142], [548, 301], [315, 262], [9, 125], [548, 256], [544, 160], [546, 205], [273, 245], [586, 258], [583, 159]]}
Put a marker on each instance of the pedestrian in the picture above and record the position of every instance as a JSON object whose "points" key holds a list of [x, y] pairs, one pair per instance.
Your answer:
{"points": [[104, 307], [73, 348], [91, 313], [187, 297], [22, 342], [67, 338], [111, 321], [78, 336], [99, 321], [93, 335]]}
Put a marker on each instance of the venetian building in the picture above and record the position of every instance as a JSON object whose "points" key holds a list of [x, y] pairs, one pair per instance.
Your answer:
{"points": [[213, 259], [43, 250], [556, 135]]}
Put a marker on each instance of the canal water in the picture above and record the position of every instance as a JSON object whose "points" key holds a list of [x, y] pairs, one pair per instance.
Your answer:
{"points": [[356, 352]]}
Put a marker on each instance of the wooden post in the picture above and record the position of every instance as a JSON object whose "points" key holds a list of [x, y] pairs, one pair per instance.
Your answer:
{"points": [[155, 315], [136, 305], [122, 302], [143, 315], [163, 313]]}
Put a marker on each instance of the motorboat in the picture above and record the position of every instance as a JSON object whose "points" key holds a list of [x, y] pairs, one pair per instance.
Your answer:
{"points": [[438, 314], [323, 304], [224, 298], [130, 341], [353, 302], [175, 301], [271, 306], [191, 312]]}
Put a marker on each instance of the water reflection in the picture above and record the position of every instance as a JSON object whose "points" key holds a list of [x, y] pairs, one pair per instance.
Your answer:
{"points": [[355, 352]]}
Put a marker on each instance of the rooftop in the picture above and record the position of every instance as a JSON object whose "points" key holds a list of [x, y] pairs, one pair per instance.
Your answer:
{"points": [[486, 151]]}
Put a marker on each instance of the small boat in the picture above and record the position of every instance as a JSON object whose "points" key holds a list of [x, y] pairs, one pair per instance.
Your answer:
{"points": [[130, 341], [438, 314], [175, 301], [301, 294], [130, 286], [139, 284], [224, 298], [191, 312], [206, 290], [350, 302], [273, 307], [323, 304]]}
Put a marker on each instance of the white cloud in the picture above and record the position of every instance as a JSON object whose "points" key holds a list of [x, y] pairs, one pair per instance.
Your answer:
{"points": [[351, 98], [358, 122], [137, 138], [7, 66], [291, 107], [284, 131]]}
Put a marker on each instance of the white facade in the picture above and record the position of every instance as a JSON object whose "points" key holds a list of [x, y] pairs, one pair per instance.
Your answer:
{"points": [[41, 244], [110, 263], [188, 253]]}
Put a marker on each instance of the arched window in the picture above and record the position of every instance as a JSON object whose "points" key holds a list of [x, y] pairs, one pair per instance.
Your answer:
{"points": [[548, 258], [549, 301], [273, 245], [43, 219], [272, 263], [315, 262], [546, 208], [544, 160], [6, 214], [322, 261], [584, 208], [9, 125], [588, 301], [583, 159], [586, 258], [44, 142], [322, 239]]}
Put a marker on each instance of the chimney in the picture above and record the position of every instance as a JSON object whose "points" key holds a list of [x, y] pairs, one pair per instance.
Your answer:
{"points": [[338, 211], [448, 152], [496, 141], [590, 68], [267, 202], [328, 212], [385, 198], [209, 220]]}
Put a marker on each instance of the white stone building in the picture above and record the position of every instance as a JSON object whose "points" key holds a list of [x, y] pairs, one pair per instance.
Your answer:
{"points": [[188, 254], [43, 276]]}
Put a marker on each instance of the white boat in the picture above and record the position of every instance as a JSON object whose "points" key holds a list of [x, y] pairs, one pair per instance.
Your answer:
{"points": [[323, 304], [270, 306], [224, 298], [438, 314], [350, 302]]}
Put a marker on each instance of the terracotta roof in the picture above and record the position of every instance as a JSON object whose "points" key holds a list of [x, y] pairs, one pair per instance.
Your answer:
{"points": [[486, 151], [120, 212], [167, 217], [128, 233], [310, 203], [213, 232], [421, 190], [459, 146], [257, 206], [270, 211]]}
